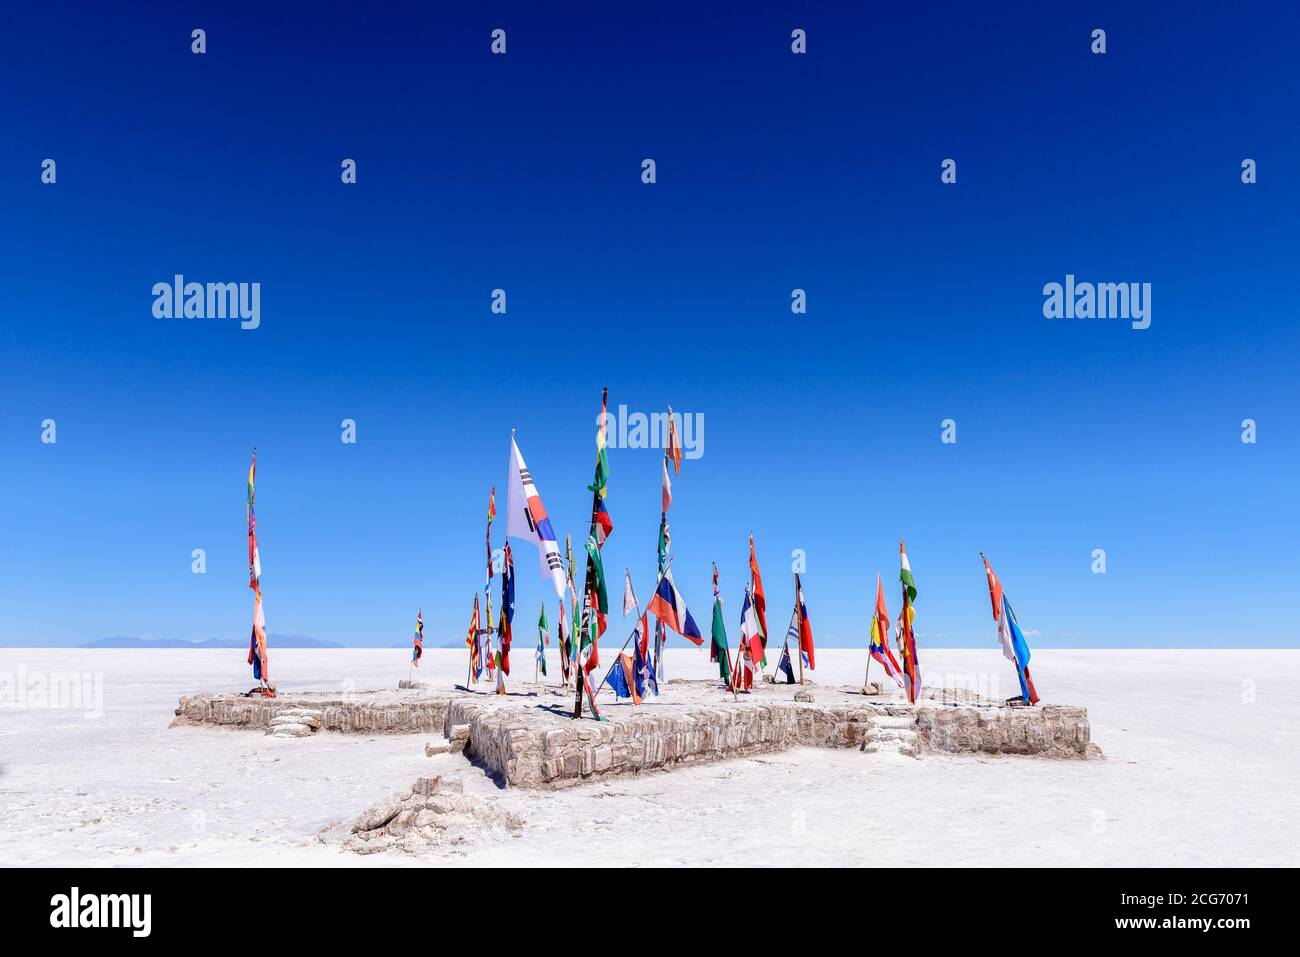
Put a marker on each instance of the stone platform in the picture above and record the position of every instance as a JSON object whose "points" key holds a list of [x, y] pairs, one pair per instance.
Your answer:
{"points": [[528, 738]]}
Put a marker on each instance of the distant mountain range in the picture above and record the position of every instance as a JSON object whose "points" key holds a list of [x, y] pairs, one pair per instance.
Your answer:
{"points": [[272, 639]]}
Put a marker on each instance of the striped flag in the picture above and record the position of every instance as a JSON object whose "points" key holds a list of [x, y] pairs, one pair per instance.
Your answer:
{"points": [[543, 639], [718, 649], [601, 523], [596, 590], [418, 650], [257, 656], [506, 622], [880, 636], [666, 498], [742, 675], [995, 599], [645, 669], [760, 603], [527, 519], [750, 632], [254, 559], [492, 513], [471, 642], [911, 663], [905, 572], [669, 607], [1027, 692], [589, 650], [805, 626]]}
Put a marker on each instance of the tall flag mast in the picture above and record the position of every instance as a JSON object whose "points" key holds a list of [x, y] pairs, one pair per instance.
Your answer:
{"points": [[257, 640], [568, 626], [672, 453], [595, 594], [1014, 646], [487, 538], [907, 637], [483, 641]]}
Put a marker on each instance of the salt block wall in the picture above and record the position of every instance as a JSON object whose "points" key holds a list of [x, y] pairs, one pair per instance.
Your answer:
{"points": [[532, 747], [1059, 731], [351, 714], [525, 754]]}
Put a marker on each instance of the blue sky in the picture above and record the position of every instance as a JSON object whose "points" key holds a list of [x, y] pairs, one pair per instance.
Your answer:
{"points": [[775, 172]]}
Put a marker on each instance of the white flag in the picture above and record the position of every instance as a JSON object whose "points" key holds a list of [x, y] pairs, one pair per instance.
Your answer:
{"points": [[526, 518], [630, 603]]}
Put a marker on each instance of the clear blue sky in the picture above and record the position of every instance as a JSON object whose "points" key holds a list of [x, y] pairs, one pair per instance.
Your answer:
{"points": [[775, 171]]}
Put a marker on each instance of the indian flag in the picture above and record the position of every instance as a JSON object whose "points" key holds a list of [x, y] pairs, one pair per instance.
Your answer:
{"points": [[905, 572]]}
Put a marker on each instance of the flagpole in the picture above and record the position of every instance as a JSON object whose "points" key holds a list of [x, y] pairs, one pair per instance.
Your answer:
{"points": [[581, 684], [800, 617], [660, 631]]}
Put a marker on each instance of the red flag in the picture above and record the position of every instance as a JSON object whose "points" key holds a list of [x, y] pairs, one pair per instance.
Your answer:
{"points": [[805, 626], [995, 588], [760, 603], [911, 667], [674, 450], [880, 637]]}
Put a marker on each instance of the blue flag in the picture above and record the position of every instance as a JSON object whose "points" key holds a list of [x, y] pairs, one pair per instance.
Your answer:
{"points": [[784, 665], [1021, 649]]}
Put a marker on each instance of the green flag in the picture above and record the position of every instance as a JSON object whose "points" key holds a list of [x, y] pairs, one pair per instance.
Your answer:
{"points": [[718, 651], [541, 641], [597, 568], [905, 573]]}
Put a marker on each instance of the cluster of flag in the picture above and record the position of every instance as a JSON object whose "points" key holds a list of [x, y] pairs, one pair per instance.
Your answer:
{"points": [[637, 671], [908, 676]]}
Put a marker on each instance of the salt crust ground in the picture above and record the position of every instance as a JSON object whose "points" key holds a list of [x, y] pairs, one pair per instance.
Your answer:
{"points": [[1202, 769]]}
